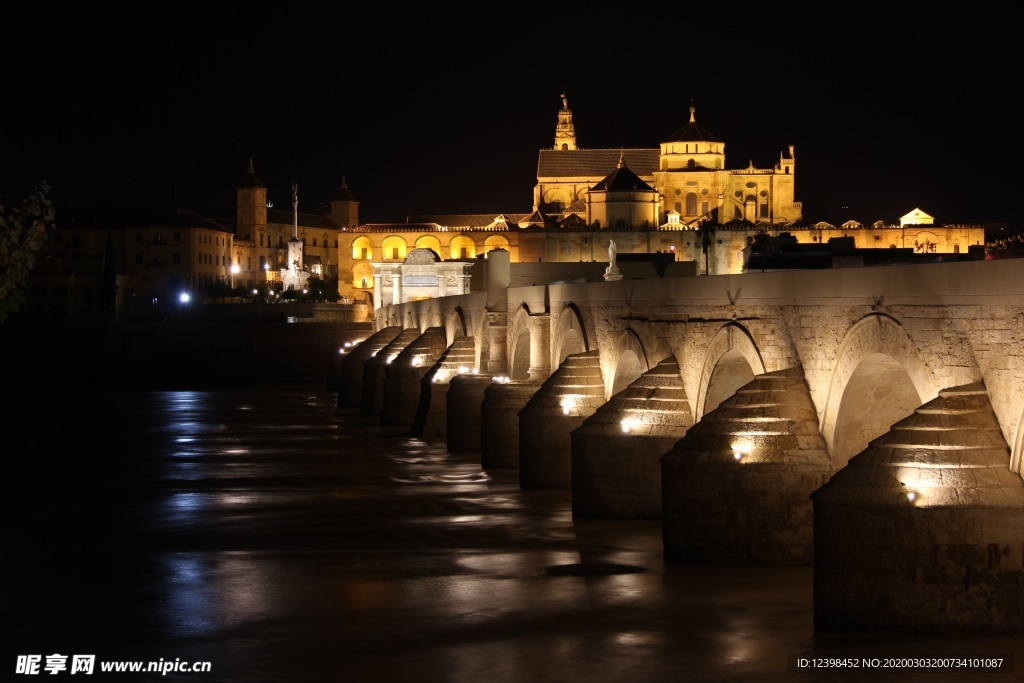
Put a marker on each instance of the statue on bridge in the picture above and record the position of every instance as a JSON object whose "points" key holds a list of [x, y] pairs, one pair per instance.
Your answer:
{"points": [[612, 271]]}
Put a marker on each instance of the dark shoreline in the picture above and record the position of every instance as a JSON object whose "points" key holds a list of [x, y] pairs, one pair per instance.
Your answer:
{"points": [[181, 355]]}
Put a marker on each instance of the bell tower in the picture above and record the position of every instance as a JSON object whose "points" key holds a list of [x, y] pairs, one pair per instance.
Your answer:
{"points": [[250, 206], [565, 131]]}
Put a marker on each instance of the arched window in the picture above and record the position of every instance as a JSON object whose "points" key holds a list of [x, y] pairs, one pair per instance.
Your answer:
{"points": [[362, 249], [691, 204]]}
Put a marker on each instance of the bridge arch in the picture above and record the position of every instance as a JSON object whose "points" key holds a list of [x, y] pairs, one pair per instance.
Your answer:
{"points": [[455, 325], [732, 360], [877, 380], [630, 362], [569, 335], [519, 345]]}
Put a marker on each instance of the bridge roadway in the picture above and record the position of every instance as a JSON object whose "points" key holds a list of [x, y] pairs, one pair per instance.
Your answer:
{"points": [[863, 420]]}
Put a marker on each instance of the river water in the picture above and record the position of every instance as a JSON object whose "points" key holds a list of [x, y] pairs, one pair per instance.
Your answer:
{"points": [[262, 530]]}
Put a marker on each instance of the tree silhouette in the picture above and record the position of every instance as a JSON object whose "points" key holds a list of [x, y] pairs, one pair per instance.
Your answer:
{"points": [[707, 234], [23, 229]]}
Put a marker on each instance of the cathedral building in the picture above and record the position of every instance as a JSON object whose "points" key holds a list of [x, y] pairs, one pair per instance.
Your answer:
{"points": [[687, 171]]}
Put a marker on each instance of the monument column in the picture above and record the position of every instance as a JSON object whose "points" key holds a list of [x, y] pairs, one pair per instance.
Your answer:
{"points": [[396, 287]]}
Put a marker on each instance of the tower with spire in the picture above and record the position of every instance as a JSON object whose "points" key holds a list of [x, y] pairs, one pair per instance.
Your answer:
{"points": [[344, 207], [250, 206], [565, 131]]}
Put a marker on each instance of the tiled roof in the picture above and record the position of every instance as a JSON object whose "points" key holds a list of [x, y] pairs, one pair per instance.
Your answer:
{"points": [[535, 218], [622, 180], [467, 220], [595, 163]]}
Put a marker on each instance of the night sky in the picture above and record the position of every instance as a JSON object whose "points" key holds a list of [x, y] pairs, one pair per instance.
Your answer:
{"points": [[428, 112]]}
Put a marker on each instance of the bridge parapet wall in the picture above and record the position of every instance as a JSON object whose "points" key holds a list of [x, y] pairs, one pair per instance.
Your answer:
{"points": [[946, 323]]}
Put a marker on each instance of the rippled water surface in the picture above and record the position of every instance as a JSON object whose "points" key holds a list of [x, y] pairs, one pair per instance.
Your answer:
{"points": [[262, 530]]}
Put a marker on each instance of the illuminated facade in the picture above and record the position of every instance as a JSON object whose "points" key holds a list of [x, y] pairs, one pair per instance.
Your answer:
{"points": [[687, 171]]}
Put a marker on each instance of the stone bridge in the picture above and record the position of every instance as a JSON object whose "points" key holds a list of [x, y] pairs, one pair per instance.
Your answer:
{"points": [[867, 421]]}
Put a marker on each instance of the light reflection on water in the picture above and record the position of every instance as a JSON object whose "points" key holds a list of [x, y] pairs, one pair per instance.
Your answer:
{"points": [[282, 540]]}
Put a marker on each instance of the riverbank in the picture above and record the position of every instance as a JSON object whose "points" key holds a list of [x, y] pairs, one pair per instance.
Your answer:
{"points": [[173, 354]]}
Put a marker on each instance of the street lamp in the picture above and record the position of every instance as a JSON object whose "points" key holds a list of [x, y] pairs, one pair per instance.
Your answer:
{"points": [[234, 272], [183, 300]]}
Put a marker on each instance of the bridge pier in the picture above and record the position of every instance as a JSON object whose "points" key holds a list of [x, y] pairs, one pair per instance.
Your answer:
{"points": [[353, 362], [402, 388], [432, 415], [736, 488], [573, 393], [465, 411], [923, 529], [499, 423], [375, 370], [616, 452]]}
